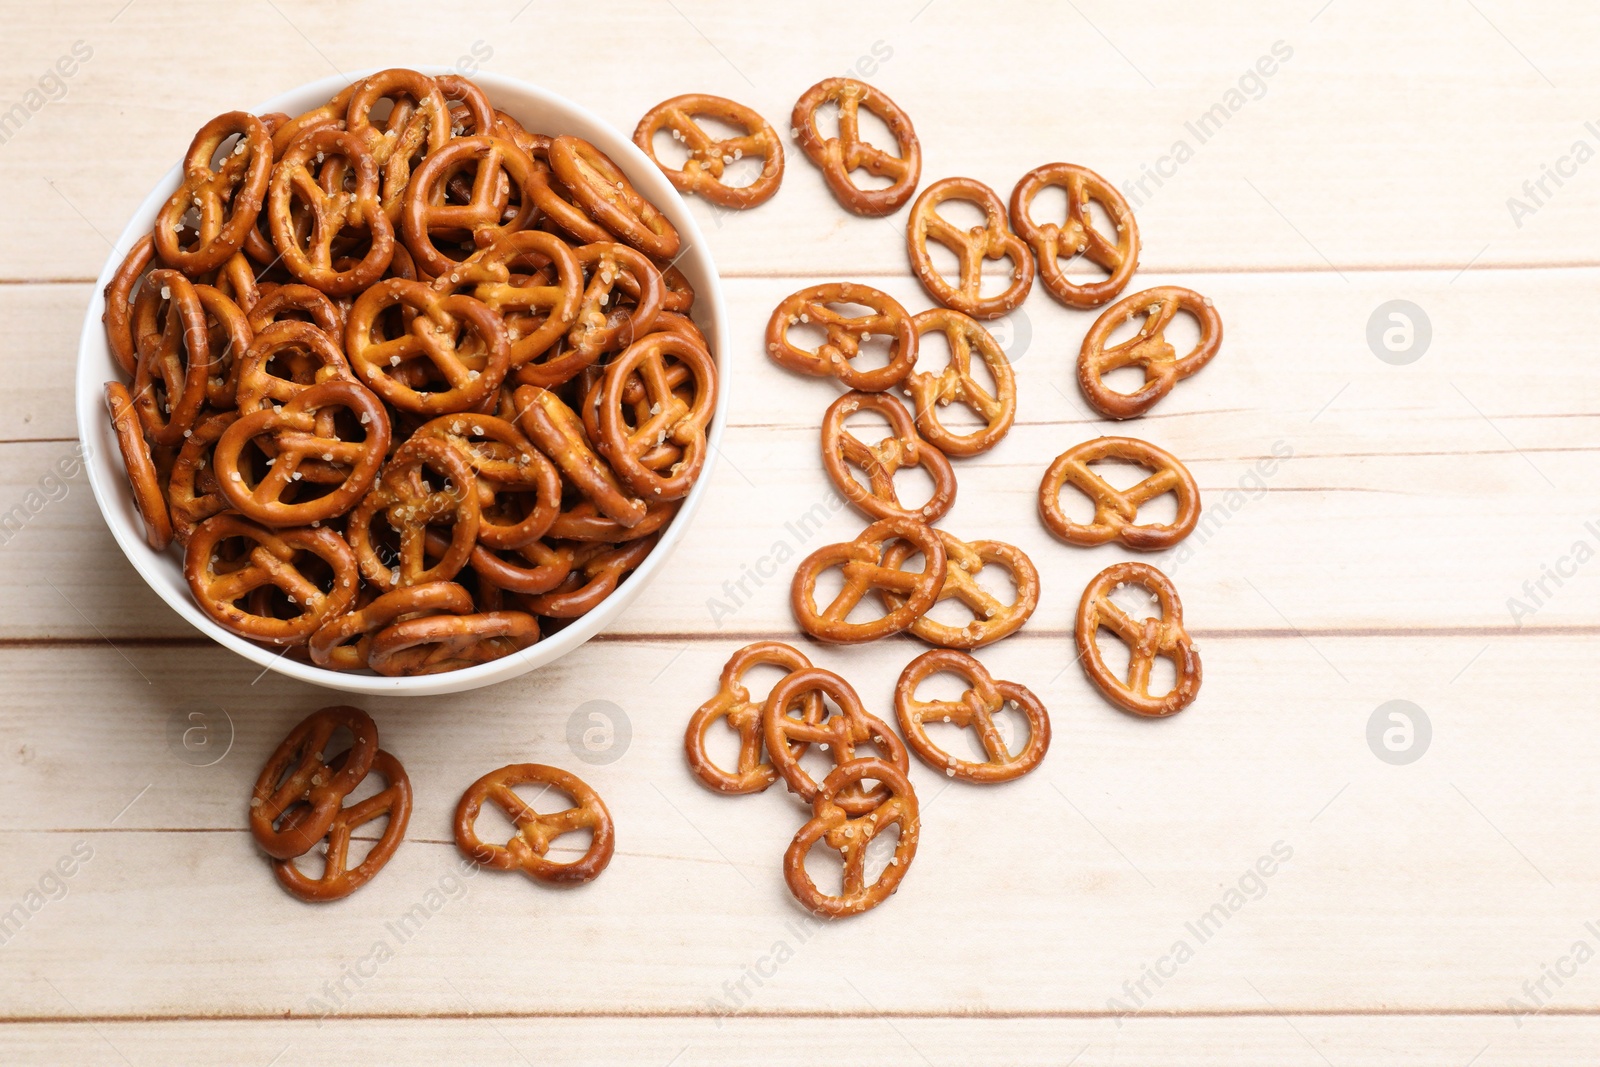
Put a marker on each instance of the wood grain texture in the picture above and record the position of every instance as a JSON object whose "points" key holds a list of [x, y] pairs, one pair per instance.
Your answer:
{"points": [[1421, 914]]}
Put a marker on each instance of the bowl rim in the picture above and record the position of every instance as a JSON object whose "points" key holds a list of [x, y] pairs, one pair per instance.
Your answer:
{"points": [[112, 496]]}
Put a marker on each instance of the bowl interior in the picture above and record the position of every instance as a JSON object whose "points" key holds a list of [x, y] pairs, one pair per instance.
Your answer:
{"points": [[543, 112]]}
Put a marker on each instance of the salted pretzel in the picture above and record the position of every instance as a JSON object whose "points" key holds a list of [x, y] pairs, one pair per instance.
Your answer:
{"points": [[1146, 639], [442, 643], [1055, 247], [330, 210], [230, 336], [839, 156], [540, 304], [600, 188], [903, 448], [709, 156], [851, 834], [955, 384], [508, 468], [734, 706], [236, 279], [426, 214], [1116, 511], [975, 709], [554, 427], [282, 302], [148, 498], [174, 356], [583, 522], [417, 125], [194, 492], [297, 773], [596, 572], [338, 879], [275, 558], [470, 367], [120, 294], [1148, 350], [601, 324], [309, 356], [678, 294], [345, 643], [787, 736], [531, 569], [410, 505], [992, 618], [626, 443], [297, 437], [226, 197], [992, 240], [865, 569], [528, 850], [818, 305]]}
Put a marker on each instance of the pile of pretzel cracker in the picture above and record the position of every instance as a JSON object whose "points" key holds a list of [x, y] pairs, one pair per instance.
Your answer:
{"points": [[409, 384], [869, 794]]}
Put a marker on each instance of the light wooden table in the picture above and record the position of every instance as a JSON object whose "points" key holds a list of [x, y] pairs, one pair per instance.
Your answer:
{"points": [[1425, 910]]}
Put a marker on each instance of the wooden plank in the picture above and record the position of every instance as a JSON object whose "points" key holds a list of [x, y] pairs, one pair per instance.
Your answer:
{"points": [[1043, 896], [1250, 1041], [1268, 184]]}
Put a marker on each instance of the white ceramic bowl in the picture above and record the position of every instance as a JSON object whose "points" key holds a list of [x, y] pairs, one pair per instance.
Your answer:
{"points": [[543, 112]]}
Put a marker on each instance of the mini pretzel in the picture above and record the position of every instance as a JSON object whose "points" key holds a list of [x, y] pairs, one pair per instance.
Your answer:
{"points": [[504, 462], [850, 834], [1055, 247], [148, 498], [296, 299], [310, 355], [410, 504], [530, 569], [992, 240], [1115, 510], [839, 156], [903, 448], [733, 705], [1148, 350], [230, 338], [272, 559], [174, 356], [119, 296], [787, 737], [535, 832], [471, 369], [331, 645], [583, 522], [554, 427], [194, 493], [865, 569], [537, 312], [298, 437], [1146, 639], [338, 880], [708, 156], [601, 189], [297, 774], [450, 642], [955, 383], [425, 214], [227, 198], [975, 709], [418, 124], [601, 324], [668, 418], [845, 335], [992, 619], [331, 211], [597, 570]]}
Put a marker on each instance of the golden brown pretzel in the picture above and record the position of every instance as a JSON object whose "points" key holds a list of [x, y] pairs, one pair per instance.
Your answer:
{"points": [[734, 706], [194, 492], [272, 558], [227, 197], [450, 642], [505, 464], [841, 450], [297, 773], [310, 356], [280, 302], [1116, 510], [955, 383], [338, 880], [582, 521], [538, 310], [992, 240], [119, 294], [1146, 639], [600, 187], [300, 431], [418, 124], [554, 427], [410, 505], [601, 324], [1148, 350], [528, 850], [708, 156], [425, 213], [319, 158], [862, 561], [668, 416], [817, 306], [470, 369], [992, 618], [974, 709], [534, 568], [1055, 247], [787, 736], [597, 570], [851, 836], [174, 356], [839, 156], [148, 497], [331, 645], [230, 336]]}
